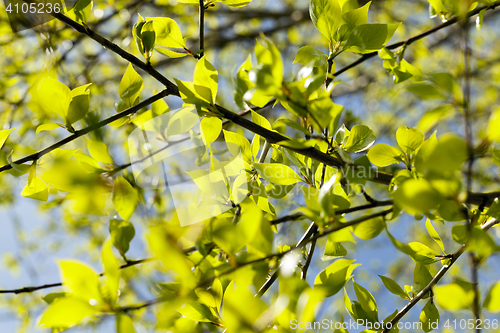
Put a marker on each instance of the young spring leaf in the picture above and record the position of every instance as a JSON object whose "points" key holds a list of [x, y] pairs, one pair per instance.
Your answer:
{"points": [[122, 233], [394, 287], [494, 125], [130, 86], [124, 324], [409, 139], [334, 277], [168, 36], [492, 300], [433, 233], [125, 198], [66, 312], [79, 105], [417, 196], [277, 173], [326, 16], [81, 280], [429, 317], [210, 129], [99, 151], [82, 10], [367, 301], [360, 138], [36, 188], [308, 55], [53, 95], [383, 155], [205, 80], [368, 38], [4, 134]]}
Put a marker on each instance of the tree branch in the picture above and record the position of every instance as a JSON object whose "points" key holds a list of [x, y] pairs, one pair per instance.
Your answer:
{"points": [[59, 284], [486, 226], [202, 29], [417, 37], [77, 134]]}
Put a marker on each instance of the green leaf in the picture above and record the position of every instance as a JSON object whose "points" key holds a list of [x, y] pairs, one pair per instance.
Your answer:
{"points": [[237, 143], [99, 151], [212, 297], [148, 38], [494, 125], [357, 16], [368, 38], [454, 296], [360, 138], [480, 19], [308, 55], [325, 15], [421, 278], [210, 129], [334, 277], [124, 324], [333, 250], [206, 80], [79, 105], [433, 233], [383, 155], [367, 301], [66, 312], [423, 254], [409, 139], [81, 280], [36, 188], [235, 3], [494, 210], [426, 91], [46, 127], [130, 86], [111, 271], [448, 83], [53, 95], [369, 229], [417, 196], [125, 198], [182, 121], [168, 33], [82, 10], [122, 233], [4, 134], [492, 300], [261, 121], [198, 312], [429, 317], [277, 173], [448, 154], [394, 287]]}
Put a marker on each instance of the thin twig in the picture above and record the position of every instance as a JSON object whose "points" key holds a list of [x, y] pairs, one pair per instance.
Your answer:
{"points": [[202, 29], [486, 226], [417, 37]]}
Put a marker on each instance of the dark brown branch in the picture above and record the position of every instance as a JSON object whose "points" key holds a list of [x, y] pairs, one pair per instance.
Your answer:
{"points": [[297, 216], [59, 284], [77, 134], [202, 28]]}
